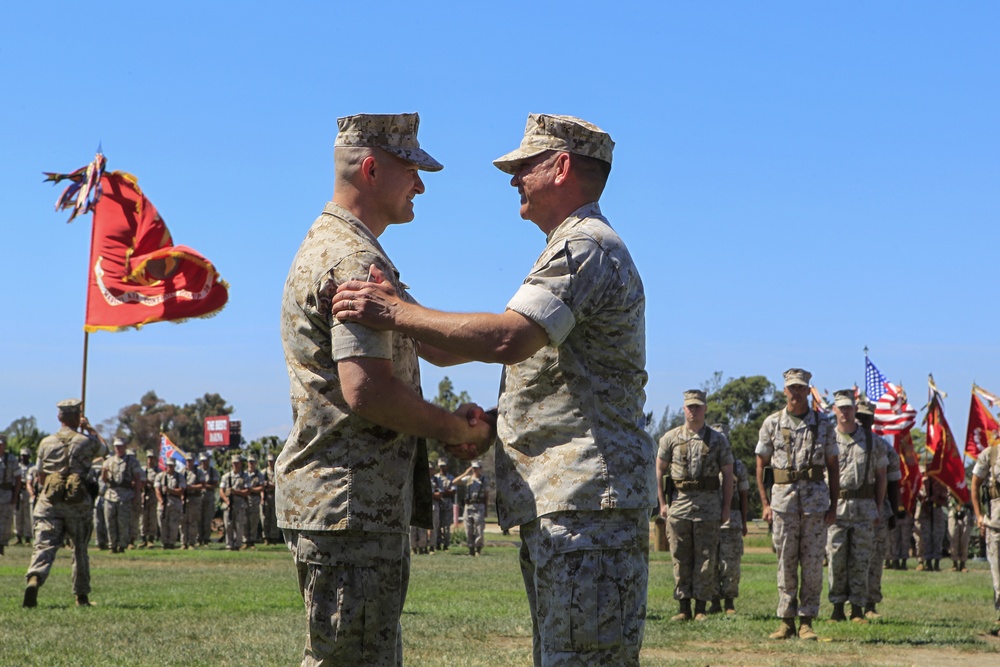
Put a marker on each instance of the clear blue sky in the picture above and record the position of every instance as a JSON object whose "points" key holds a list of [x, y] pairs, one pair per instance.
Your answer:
{"points": [[795, 180]]}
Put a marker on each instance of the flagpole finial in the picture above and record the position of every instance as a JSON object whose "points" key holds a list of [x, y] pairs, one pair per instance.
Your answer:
{"points": [[866, 351]]}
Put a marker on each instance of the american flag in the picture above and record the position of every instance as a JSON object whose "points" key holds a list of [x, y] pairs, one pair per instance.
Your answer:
{"points": [[893, 414]]}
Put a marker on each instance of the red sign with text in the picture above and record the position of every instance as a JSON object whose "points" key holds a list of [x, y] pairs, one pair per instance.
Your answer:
{"points": [[217, 431]]}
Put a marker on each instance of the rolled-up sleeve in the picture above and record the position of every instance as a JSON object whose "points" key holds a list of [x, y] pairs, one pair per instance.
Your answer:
{"points": [[355, 340], [545, 309]]}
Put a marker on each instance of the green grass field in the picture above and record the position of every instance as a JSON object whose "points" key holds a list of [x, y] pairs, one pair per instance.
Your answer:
{"points": [[211, 607]]}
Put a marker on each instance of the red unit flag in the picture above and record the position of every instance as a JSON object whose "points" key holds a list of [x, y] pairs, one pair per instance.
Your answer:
{"points": [[946, 466], [136, 274], [983, 430]]}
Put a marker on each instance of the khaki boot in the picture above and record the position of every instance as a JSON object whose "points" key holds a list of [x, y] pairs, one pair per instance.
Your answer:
{"points": [[31, 592], [870, 613], [684, 614], [786, 631], [920, 566], [806, 629], [699, 610], [961, 567], [83, 601], [838, 614], [730, 607], [715, 607], [858, 614]]}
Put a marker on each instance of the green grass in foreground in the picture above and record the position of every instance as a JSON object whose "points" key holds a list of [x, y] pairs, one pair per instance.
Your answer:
{"points": [[211, 607]]}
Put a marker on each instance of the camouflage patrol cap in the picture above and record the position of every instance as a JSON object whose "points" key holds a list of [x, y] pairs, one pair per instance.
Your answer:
{"points": [[203, 456], [71, 406], [797, 376], [118, 442], [477, 464], [25, 451], [843, 398], [442, 462], [394, 133], [150, 454], [251, 459], [865, 406], [548, 132], [271, 457], [235, 457], [694, 397]]}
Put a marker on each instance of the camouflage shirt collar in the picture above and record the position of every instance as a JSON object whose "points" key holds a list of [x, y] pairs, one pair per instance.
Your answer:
{"points": [[343, 214], [591, 210]]}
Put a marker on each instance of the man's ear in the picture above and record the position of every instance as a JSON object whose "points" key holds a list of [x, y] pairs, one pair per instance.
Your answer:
{"points": [[563, 167], [368, 166]]}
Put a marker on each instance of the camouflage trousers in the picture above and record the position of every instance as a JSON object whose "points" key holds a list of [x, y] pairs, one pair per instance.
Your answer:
{"points": [[50, 534], [959, 531], [880, 551], [6, 516], [253, 519], [170, 522], [436, 527], [932, 531], [354, 586], [100, 524], [133, 523], [849, 549], [730, 560], [475, 524], [694, 547], [993, 557], [118, 519], [236, 524], [899, 538], [269, 520], [22, 517], [419, 538], [191, 521], [148, 521], [444, 526], [207, 514], [586, 575], [799, 541]]}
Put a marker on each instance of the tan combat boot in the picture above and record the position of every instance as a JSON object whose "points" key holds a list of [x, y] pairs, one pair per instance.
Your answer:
{"points": [[730, 607], [838, 614], [699, 610], [870, 613], [83, 601], [31, 592], [858, 614], [715, 607], [806, 629], [786, 631], [684, 614]]}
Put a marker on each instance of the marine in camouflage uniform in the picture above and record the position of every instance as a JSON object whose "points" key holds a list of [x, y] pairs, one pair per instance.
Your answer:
{"points": [[959, 530], [887, 515], [986, 471], [475, 497], [148, 518], [234, 490], [22, 513], [194, 491], [900, 539], [444, 481], [575, 467], [268, 516], [63, 509], [731, 535], [170, 486], [850, 540], [122, 476], [96, 479], [10, 489], [208, 501], [932, 524], [800, 446], [255, 484], [690, 460], [351, 477]]}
